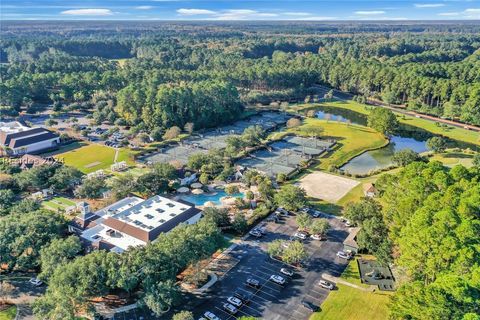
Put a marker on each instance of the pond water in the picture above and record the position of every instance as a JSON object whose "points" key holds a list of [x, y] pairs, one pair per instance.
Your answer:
{"points": [[200, 199], [375, 159]]}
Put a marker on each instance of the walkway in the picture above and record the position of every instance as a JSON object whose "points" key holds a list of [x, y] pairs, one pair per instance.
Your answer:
{"points": [[330, 278]]}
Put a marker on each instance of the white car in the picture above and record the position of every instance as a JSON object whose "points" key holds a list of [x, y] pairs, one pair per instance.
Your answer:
{"points": [[210, 315], [317, 237], [255, 233], [343, 255], [314, 213], [235, 301], [326, 285], [300, 235], [348, 224], [36, 282], [277, 279], [287, 272], [229, 308]]}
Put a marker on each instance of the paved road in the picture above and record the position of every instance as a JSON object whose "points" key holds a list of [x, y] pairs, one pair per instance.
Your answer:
{"points": [[272, 301]]}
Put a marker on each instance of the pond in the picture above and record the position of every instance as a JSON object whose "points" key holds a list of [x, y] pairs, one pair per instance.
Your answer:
{"points": [[200, 199], [375, 159]]}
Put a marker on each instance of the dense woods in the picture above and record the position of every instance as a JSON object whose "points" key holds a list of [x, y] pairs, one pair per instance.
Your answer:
{"points": [[205, 71]]}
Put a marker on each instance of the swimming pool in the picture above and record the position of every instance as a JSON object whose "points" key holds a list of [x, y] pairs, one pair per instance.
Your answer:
{"points": [[200, 199]]}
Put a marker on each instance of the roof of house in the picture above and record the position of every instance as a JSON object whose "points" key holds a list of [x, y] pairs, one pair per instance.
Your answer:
{"points": [[351, 238], [84, 222], [369, 187], [18, 142]]}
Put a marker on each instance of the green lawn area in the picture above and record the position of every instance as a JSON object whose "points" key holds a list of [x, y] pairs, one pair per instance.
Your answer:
{"points": [[9, 313], [92, 157], [58, 203], [451, 159], [454, 133], [352, 140], [349, 303]]}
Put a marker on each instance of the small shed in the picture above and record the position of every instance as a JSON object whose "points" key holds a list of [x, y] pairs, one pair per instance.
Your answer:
{"points": [[369, 190], [350, 242]]}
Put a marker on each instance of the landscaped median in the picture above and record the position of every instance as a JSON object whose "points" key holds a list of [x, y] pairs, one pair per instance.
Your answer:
{"points": [[351, 303], [8, 313]]}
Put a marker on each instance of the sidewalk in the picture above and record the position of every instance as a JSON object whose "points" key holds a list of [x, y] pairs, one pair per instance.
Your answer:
{"points": [[331, 278]]}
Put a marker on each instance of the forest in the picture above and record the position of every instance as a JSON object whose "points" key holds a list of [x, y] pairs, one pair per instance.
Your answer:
{"points": [[206, 73]]}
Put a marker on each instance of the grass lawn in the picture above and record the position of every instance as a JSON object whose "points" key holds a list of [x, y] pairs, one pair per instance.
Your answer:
{"points": [[349, 303], [451, 159], [352, 140], [58, 203], [92, 157], [9, 313], [454, 133]]}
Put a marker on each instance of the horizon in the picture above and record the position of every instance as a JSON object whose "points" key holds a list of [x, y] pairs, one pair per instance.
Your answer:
{"points": [[223, 10]]}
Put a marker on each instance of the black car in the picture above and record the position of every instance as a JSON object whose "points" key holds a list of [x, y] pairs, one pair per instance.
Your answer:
{"points": [[244, 296], [310, 306], [254, 283]]}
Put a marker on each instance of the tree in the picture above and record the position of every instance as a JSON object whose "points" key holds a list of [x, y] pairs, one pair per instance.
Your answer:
{"points": [[383, 120], [319, 226], [50, 123], [328, 95], [293, 123], [303, 220], [249, 195], [23, 235], [281, 177], [275, 248], [123, 185], [231, 189], [476, 160], [156, 135], [65, 178], [291, 197], [172, 133], [294, 253], [437, 144], [6, 199], [189, 126], [183, 315], [151, 184], [204, 178], [239, 223], [91, 188], [219, 216], [57, 253], [406, 156]]}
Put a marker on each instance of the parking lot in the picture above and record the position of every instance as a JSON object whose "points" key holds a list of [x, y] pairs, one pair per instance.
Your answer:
{"points": [[270, 300]]}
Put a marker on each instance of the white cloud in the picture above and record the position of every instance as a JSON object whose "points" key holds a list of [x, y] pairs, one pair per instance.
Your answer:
{"points": [[449, 14], [472, 13], [193, 12], [88, 12], [369, 13], [429, 5], [300, 14], [243, 14], [144, 7]]}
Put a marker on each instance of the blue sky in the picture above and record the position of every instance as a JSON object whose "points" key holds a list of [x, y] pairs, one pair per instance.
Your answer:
{"points": [[319, 10]]}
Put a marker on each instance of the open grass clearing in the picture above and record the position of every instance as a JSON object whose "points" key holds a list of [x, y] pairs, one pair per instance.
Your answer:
{"points": [[451, 159], [58, 203], [348, 303], [92, 157]]}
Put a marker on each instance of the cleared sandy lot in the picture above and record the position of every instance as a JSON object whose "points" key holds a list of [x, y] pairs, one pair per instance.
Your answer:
{"points": [[326, 186]]}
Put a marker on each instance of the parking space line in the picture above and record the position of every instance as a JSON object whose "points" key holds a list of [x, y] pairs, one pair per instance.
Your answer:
{"points": [[263, 266], [250, 307], [267, 285], [321, 293], [312, 297], [255, 294], [245, 313], [228, 314]]}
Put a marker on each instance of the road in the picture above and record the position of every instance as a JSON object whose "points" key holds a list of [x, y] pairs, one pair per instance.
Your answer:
{"points": [[272, 301]]}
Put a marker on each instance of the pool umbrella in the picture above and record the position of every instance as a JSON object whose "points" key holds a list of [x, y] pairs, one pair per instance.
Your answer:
{"points": [[197, 191], [196, 185], [183, 190], [209, 204]]}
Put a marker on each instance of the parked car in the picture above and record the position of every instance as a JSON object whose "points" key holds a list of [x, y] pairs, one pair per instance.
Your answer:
{"points": [[348, 223], [325, 284], [277, 279], [317, 237], [254, 283], [314, 213], [300, 235], [287, 272], [282, 212], [305, 210], [343, 255], [235, 301], [210, 315], [262, 230], [229, 308], [36, 282], [310, 306], [255, 233]]}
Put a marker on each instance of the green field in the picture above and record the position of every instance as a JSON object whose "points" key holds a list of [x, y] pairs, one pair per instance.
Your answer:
{"points": [[9, 313], [92, 157], [352, 140], [454, 133], [349, 303], [58, 203], [451, 159]]}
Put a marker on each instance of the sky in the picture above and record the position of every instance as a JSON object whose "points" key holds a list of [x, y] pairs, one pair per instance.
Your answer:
{"points": [[315, 10]]}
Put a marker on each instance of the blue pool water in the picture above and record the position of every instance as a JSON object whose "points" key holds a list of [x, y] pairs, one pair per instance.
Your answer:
{"points": [[200, 199]]}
